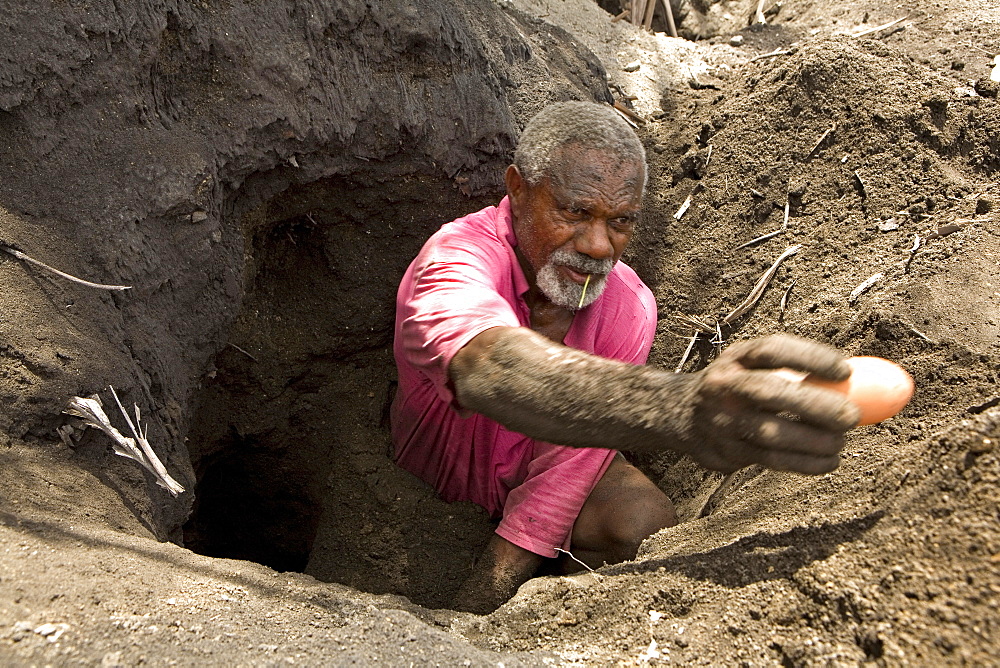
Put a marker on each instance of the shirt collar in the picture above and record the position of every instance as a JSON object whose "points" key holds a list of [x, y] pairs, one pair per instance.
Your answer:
{"points": [[505, 229]]}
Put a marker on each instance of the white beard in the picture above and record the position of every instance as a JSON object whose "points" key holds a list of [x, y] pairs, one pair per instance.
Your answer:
{"points": [[564, 292]]}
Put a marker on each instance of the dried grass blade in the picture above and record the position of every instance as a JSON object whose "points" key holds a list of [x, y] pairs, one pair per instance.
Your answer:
{"points": [[760, 286]]}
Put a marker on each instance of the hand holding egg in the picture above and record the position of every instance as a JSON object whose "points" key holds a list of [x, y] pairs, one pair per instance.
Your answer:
{"points": [[878, 387]]}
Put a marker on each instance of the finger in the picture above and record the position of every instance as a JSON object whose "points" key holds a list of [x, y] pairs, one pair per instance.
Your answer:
{"points": [[773, 432], [781, 351], [732, 454], [766, 391], [799, 463]]}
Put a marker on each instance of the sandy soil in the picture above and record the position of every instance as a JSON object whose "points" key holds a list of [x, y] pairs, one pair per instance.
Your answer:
{"points": [[883, 152]]}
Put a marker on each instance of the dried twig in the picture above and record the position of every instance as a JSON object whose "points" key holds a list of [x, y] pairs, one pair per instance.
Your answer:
{"points": [[759, 14], [772, 54], [784, 221], [921, 334], [755, 294], [628, 112], [864, 287], [635, 126], [92, 414], [671, 26], [822, 138], [243, 351], [100, 286], [878, 28], [570, 555], [917, 241], [687, 202], [761, 285], [687, 352], [765, 237], [783, 306], [647, 21], [718, 340]]}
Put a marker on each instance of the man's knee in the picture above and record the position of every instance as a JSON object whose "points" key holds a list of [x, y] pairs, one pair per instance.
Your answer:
{"points": [[643, 512], [625, 508]]}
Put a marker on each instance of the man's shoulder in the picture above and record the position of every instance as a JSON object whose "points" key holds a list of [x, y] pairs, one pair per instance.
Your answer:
{"points": [[626, 285], [480, 229]]}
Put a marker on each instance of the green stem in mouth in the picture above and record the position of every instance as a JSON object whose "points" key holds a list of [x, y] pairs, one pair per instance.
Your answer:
{"points": [[584, 293]]}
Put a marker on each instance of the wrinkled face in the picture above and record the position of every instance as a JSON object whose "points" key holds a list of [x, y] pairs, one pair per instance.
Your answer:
{"points": [[576, 223]]}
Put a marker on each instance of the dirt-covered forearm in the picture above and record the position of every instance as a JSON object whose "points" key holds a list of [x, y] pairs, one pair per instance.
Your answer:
{"points": [[562, 395]]}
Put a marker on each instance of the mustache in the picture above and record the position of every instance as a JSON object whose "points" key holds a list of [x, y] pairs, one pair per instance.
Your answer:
{"points": [[581, 262]]}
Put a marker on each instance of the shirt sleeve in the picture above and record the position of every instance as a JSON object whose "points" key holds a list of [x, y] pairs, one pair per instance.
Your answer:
{"points": [[455, 295]]}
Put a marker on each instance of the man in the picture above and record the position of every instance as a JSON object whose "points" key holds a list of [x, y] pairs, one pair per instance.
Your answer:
{"points": [[520, 340]]}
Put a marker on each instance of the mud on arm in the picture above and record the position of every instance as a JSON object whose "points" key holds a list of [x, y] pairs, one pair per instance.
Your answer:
{"points": [[732, 414]]}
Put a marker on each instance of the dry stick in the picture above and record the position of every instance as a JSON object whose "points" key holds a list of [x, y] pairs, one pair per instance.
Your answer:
{"points": [[628, 112], [670, 18], [628, 120], [783, 306], [863, 287], [684, 207], [647, 22], [822, 138], [776, 52], [637, 9], [878, 28], [759, 14], [765, 237], [755, 294], [761, 286], [583, 294], [155, 465], [687, 202], [687, 353], [567, 552], [917, 241], [244, 352], [21, 256], [621, 16]]}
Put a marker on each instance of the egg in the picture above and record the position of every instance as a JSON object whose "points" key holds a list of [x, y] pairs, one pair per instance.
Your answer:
{"points": [[878, 387]]}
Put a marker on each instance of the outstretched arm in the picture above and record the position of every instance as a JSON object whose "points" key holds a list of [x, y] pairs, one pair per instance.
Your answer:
{"points": [[732, 414]]}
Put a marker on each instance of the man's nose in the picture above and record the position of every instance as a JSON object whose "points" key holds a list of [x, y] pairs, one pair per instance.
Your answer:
{"points": [[594, 240]]}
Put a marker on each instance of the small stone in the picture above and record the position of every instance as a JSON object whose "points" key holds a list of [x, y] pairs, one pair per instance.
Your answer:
{"points": [[987, 87], [199, 217], [888, 225], [633, 66], [736, 40], [983, 445], [983, 206]]}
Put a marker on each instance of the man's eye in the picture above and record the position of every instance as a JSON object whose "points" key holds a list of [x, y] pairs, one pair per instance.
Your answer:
{"points": [[623, 224], [575, 211]]}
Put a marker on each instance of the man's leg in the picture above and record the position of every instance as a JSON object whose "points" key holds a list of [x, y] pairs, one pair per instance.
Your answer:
{"points": [[498, 572], [624, 508]]}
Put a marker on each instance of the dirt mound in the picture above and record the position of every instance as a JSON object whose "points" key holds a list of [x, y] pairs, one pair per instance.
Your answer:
{"points": [[876, 166]]}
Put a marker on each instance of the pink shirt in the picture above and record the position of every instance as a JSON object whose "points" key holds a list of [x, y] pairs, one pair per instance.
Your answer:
{"points": [[465, 280]]}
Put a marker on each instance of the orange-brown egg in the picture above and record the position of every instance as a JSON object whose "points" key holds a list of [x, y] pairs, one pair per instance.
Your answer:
{"points": [[880, 388]]}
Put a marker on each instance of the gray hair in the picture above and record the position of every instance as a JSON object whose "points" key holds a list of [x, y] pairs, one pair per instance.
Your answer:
{"points": [[590, 125]]}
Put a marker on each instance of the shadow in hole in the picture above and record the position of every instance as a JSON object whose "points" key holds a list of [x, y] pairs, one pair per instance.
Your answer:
{"points": [[759, 557]]}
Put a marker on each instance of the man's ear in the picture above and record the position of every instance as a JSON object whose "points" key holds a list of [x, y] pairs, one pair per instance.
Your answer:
{"points": [[516, 190]]}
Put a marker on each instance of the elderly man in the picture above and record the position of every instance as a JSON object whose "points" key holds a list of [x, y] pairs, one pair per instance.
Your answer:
{"points": [[520, 340]]}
